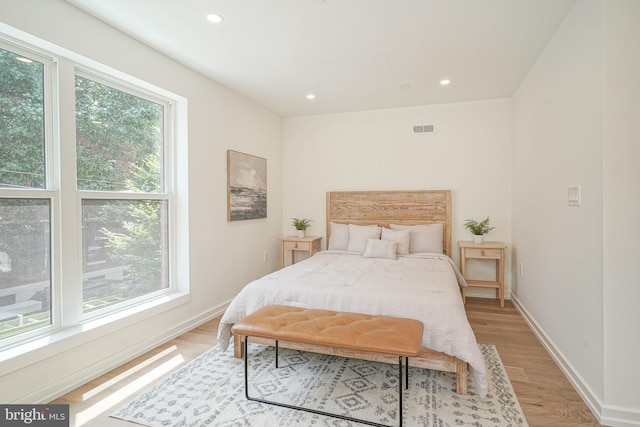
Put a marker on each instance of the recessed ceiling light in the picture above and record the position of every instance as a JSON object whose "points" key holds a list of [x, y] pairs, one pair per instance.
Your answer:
{"points": [[311, 96], [215, 18], [445, 82], [405, 86]]}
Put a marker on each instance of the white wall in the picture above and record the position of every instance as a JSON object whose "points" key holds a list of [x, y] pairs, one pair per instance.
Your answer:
{"points": [[621, 208], [223, 256], [469, 153], [575, 123]]}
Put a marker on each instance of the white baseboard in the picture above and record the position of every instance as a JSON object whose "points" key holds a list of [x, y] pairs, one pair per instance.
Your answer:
{"points": [[620, 417], [101, 367], [606, 415]]}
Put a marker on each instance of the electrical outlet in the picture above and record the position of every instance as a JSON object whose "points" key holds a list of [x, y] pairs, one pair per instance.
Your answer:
{"points": [[265, 256], [521, 270]]}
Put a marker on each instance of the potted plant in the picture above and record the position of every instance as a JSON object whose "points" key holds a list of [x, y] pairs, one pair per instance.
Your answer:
{"points": [[301, 224], [478, 228]]}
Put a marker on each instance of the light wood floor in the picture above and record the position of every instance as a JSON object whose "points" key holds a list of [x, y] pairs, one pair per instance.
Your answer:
{"points": [[545, 395]]}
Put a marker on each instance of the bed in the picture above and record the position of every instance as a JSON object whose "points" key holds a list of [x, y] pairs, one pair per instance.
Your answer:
{"points": [[406, 271]]}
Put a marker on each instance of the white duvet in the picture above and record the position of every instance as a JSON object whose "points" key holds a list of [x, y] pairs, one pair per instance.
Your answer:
{"points": [[418, 286]]}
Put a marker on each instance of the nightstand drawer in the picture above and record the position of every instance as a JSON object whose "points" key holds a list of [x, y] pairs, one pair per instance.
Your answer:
{"points": [[304, 246], [483, 253]]}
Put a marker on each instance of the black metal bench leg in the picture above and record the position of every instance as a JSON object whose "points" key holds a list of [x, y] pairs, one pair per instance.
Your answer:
{"points": [[277, 354], [406, 369], [400, 389], [246, 367], [314, 411]]}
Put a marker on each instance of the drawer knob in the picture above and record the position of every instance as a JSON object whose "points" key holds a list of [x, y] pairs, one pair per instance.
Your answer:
{"points": [[482, 252]]}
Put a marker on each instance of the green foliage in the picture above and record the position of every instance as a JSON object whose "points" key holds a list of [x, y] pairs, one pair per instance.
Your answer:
{"points": [[119, 139], [21, 122], [21, 238], [301, 223], [115, 132], [139, 244], [478, 228]]}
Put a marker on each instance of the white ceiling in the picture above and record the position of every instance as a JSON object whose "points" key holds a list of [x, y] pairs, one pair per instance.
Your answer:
{"points": [[353, 54]]}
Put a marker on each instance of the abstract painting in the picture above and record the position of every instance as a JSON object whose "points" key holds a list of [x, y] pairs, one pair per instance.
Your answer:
{"points": [[246, 186]]}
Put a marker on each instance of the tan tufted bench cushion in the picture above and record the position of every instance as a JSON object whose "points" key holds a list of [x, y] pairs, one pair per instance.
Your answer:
{"points": [[352, 331]]}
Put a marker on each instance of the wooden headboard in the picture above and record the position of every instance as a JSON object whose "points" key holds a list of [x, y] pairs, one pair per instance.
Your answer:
{"points": [[391, 207]]}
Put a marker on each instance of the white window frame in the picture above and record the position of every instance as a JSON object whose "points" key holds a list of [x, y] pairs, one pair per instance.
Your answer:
{"points": [[50, 76], [69, 320], [166, 194]]}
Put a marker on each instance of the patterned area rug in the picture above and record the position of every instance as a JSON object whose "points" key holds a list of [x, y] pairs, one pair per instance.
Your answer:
{"points": [[209, 391]]}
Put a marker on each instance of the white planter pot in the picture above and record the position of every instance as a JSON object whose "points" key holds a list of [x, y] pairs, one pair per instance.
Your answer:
{"points": [[301, 233], [478, 238]]}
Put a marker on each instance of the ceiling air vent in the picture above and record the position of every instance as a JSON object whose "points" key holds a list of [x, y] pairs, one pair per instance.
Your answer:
{"points": [[423, 129]]}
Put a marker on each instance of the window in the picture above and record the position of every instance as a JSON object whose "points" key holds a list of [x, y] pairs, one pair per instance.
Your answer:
{"points": [[124, 250], [119, 139], [25, 246], [22, 160], [25, 268], [119, 148], [117, 190]]}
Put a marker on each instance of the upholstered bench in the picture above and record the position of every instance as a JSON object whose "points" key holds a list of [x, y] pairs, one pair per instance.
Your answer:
{"points": [[323, 331]]}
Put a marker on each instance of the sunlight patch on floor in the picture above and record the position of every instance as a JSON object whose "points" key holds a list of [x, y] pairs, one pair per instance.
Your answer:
{"points": [[128, 390], [142, 365]]}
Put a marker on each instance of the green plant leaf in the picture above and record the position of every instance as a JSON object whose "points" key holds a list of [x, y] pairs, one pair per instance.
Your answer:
{"points": [[478, 227], [301, 223]]}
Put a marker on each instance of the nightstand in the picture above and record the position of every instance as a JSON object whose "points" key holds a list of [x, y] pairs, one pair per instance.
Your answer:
{"points": [[486, 250], [308, 244]]}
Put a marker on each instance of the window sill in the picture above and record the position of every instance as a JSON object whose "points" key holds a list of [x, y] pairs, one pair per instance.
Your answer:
{"points": [[58, 341]]}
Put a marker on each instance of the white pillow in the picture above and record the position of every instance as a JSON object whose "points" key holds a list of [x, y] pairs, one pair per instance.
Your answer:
{"points": [[401, 237], [376, 248], [358, 235], [339, 237], [424, 238]]}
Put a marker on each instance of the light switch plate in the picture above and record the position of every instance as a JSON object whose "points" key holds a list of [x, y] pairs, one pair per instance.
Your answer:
{"points": [[574, 195]]}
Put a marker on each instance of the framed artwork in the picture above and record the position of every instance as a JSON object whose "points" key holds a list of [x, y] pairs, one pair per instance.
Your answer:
{"points": [[246, 186]]}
